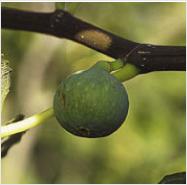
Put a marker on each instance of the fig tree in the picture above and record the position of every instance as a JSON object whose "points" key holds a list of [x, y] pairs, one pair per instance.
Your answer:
{"points": [[92, 103]]}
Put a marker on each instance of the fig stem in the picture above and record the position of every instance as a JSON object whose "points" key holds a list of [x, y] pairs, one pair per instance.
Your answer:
{"points": [[27, 123], [110, 66], [119, 68], [116, 64], [127, 72]]}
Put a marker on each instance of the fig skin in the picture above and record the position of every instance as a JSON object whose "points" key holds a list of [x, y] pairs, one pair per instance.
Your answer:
{"points": [[91, 103]]}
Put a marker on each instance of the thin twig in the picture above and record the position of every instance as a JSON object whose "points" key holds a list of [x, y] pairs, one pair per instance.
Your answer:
{"points": [[8, 143]]}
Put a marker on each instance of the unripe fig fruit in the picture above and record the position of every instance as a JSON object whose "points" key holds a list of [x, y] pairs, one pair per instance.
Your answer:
{"points": [[91, 103]]}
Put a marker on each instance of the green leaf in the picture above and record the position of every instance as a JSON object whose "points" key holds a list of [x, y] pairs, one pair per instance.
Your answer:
{"points": [[5, 79]]}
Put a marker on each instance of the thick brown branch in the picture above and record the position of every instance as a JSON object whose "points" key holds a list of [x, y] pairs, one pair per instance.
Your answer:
{"points": [[158, 58], [64, 25]]}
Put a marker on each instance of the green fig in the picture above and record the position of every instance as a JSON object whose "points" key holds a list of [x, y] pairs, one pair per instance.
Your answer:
{"points": [[91, 103]]}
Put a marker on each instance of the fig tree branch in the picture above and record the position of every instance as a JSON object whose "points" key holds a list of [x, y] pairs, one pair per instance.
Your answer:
{"points": [[61, 24]]}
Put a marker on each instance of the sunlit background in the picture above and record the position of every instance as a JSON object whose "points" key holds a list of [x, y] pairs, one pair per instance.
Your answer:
{"points": [[151, 142]]}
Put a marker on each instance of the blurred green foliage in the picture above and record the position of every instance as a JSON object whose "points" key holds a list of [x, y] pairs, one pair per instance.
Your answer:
{"points": [[149, 145]]}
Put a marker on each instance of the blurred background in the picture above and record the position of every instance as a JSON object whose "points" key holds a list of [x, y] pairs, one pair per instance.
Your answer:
{"points": [[151, 142]]}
